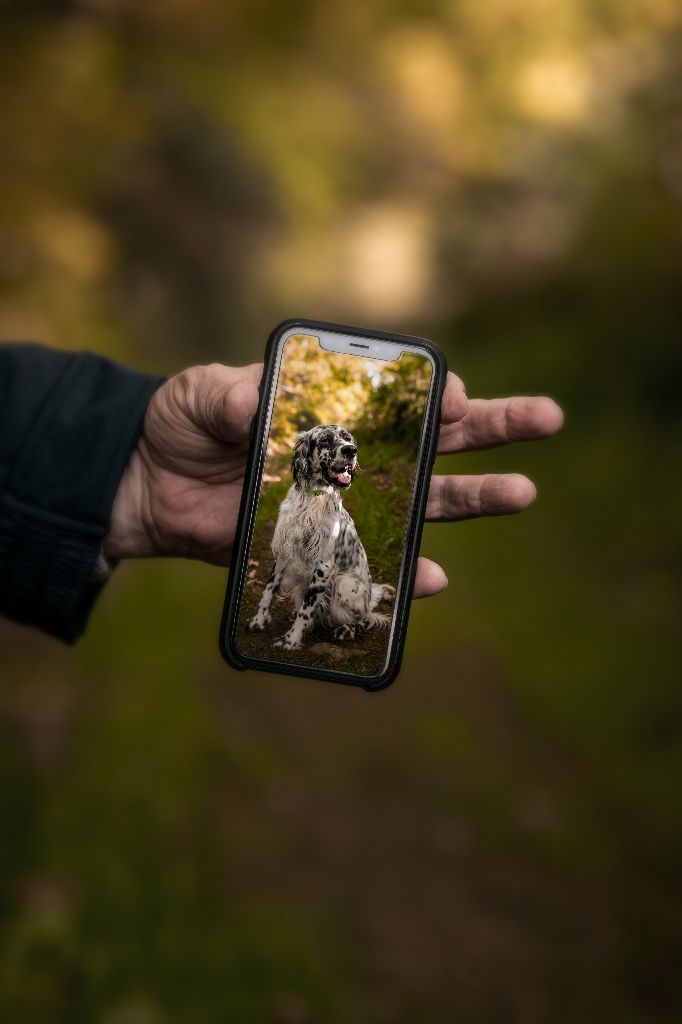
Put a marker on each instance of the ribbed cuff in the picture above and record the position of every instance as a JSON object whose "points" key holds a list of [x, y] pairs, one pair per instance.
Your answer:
{"points": [[45, 566]]}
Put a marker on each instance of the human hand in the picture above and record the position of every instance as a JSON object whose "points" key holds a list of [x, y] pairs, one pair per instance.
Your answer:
{"points": [[470, 425], [181, 490]]}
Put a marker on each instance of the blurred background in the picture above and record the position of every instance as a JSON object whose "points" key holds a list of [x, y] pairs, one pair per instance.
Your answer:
{"points": [[497, 836]]}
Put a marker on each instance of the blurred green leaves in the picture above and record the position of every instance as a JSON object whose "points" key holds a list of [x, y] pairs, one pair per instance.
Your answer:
{"points": [[497, 837]]}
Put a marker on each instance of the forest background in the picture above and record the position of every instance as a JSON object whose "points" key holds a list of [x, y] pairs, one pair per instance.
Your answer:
{"points": [[497, 837]]}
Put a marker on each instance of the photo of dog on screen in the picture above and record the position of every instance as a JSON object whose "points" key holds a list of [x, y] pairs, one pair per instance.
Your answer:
{"points": [[320, 562], [336, 491]]}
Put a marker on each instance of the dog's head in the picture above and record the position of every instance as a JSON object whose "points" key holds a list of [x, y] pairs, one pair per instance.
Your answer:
{"points": [[324, 456]]}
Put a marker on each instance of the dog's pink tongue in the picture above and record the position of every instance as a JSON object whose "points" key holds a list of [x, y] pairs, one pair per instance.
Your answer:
{"points": [[344, 477]]}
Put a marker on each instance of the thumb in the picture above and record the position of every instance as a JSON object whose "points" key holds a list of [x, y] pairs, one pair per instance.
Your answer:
{"points": [[226, 400]]}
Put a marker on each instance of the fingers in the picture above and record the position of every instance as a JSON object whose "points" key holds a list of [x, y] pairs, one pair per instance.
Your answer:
{"points": [[430, 579], [489, 422], [454, 404], [466, 497]]}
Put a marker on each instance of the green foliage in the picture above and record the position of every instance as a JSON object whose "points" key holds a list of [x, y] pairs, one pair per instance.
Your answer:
{"points": [[377, 399], [396, 410], [496, 837]]}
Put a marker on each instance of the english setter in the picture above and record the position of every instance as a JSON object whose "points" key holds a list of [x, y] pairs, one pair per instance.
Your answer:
{"points": [[320, 562]]}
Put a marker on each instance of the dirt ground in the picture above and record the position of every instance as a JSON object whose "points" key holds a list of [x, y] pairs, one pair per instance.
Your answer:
{"points": [[365, 655]]}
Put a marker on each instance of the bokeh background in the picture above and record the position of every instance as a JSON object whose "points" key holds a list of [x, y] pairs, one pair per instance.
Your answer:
{"points": [[496, 837]]}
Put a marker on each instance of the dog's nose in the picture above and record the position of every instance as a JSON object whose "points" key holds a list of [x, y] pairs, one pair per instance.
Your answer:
{"points": [[348, 449]]}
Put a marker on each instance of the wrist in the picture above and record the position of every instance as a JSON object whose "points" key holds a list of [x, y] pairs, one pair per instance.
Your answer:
{"points": [[128, 536]]}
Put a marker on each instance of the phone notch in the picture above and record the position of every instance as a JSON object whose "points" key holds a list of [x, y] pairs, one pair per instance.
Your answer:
{"points": [[353, 345]]}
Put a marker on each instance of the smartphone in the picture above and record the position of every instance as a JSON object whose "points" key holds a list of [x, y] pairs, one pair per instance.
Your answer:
{"points": [[342, 447]]}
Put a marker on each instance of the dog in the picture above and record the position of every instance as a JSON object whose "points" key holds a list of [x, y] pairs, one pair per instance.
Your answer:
{"points": [[320, 562]]}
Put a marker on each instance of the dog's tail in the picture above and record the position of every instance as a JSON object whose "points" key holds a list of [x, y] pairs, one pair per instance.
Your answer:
{"points": [[381, 592]]}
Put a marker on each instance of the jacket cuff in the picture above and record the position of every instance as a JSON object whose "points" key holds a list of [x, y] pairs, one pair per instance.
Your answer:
{"points": [[56, 507], [46, 567]]}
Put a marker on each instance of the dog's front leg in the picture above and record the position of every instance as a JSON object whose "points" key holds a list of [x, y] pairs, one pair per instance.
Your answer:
{"points": [[305, 616], [262, 617]]}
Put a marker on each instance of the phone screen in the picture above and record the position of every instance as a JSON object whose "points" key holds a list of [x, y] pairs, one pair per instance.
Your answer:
{"points": [[326, 555]]}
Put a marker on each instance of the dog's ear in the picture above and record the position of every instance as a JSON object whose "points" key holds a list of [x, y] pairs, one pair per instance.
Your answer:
{"points": [[300, 463]]}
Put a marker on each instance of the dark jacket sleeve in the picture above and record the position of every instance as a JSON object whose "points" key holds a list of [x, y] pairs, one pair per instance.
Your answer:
{"points": [[68, 424]]}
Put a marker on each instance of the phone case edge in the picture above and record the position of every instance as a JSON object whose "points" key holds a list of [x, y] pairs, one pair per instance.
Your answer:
{"points": [[415, 528]]}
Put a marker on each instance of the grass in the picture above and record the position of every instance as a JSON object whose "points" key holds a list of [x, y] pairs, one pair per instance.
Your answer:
{"points": [[379, 502]]}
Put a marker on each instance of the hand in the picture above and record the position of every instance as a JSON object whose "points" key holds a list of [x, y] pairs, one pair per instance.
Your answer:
{"points": [[467, 426], [181, 490]]}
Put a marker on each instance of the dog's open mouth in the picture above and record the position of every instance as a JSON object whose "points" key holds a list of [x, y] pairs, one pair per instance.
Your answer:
{"points": [[344, 476]]}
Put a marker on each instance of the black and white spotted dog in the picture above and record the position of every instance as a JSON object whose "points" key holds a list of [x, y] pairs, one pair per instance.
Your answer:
{"points": [[320, 562]]}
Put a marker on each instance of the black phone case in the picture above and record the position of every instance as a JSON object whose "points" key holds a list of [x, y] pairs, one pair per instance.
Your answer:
{"points": [[248, 508]]}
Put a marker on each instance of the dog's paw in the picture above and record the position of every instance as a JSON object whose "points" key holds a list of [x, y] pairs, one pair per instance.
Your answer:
{"points": [[257, 625], [287, 644], [344, 632], [387, 592]]}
